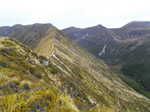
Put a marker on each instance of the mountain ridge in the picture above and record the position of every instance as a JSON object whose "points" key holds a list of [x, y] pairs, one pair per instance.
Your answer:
{"points": [[128, 50], [88, 83]]}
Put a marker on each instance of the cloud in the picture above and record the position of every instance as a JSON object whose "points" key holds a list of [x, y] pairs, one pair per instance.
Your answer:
{"points": [[80, 13]]}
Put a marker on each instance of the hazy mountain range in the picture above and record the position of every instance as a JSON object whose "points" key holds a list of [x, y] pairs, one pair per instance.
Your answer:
{"points": [[101, 70]]}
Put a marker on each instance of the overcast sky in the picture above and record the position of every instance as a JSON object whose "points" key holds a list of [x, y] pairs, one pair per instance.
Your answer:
{"points": [[79, 13]]}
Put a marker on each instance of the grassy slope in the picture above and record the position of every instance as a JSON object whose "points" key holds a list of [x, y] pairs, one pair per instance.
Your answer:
{"points": [[25, 84], [73, 81], [89, 81], [130, 52]]}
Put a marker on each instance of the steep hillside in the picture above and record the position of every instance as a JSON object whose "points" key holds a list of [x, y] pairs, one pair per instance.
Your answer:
{"points": [[133, 55], [102, 42], [95, 39], [25, 82], [125, 48], [87, 79], [62, 78], [26, 33]]}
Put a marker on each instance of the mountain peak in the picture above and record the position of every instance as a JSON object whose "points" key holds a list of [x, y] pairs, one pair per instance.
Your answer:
{"points": [[100, 26], [138, 24], [71, 29]]}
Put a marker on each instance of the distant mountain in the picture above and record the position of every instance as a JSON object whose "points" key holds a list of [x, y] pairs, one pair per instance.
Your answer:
{"points": [[95, 39], [133, 30], [138, 24], [126, 48], [71, 30], [134, 55], [26, 33], [56, 75]]}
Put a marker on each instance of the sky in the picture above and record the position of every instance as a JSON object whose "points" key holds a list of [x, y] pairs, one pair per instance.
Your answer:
{"points": [[79, 13]]}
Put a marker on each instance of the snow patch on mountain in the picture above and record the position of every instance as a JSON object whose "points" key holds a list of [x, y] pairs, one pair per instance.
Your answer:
{"points": [[103, 50]]}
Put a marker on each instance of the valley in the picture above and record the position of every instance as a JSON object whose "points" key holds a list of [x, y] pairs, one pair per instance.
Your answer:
{"points": [[42, 70]]}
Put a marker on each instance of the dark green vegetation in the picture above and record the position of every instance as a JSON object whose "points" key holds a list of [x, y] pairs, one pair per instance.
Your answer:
{"points": [[58, 76]]}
